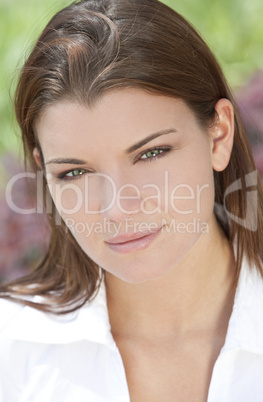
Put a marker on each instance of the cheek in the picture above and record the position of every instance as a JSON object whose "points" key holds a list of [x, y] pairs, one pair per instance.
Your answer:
{"points": [[183, 189], [193, 195], [87, 230], [84, 197], [69, 199]]}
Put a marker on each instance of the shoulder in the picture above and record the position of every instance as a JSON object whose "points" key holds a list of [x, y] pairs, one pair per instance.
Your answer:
{"points": [[8, 311], [60, 351], [24, 323], [16, 319], [245, 330], [12, 365]]}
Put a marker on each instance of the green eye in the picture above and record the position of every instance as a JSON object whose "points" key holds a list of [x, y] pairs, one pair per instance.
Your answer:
{"points": [[152, 153], [75, 172]]}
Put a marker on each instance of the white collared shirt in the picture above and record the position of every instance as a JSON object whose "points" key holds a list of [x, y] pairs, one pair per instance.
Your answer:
{"points": [[74, 358]]}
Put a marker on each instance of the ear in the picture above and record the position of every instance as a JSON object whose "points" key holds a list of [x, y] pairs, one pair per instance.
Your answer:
{"points": [[222, 134], [37, 157]]}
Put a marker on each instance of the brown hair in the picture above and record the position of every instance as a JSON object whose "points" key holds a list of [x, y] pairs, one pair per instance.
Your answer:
{"points": [[92, 47]]}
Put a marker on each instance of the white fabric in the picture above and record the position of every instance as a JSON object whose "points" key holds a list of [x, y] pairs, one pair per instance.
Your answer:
{"points": [[45, 358]]}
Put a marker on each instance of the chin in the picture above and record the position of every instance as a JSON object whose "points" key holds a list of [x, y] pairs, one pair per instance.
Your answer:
{"points": [[142, 272], [139, 271], [137, 278]]}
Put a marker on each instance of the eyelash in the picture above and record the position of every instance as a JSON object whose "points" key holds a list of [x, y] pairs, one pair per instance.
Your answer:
{"points": [[164, 149], [63, 175]]}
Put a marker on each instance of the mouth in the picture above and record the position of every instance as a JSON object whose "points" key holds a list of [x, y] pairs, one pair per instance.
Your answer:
{"points": [[129, 242]]}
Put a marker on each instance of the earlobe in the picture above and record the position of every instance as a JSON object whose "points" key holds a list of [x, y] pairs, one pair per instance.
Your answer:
{"points": [[222, 134], [37, 157]]}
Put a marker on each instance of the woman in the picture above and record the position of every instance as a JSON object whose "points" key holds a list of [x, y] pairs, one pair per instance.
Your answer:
{"points": [[152, 286]]}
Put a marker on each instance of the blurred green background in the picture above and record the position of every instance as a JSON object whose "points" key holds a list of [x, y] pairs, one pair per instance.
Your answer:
{"points": [[232, 28]]}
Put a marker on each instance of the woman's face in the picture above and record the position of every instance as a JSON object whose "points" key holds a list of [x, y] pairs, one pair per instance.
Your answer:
{"points": [[131, 177]]}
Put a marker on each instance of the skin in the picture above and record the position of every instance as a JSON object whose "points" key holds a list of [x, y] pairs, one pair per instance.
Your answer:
{"points": [[169, 302]]}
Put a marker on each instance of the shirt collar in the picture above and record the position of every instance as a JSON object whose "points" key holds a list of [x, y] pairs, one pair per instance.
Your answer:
{"points": [[91, 322], [245, 329]]}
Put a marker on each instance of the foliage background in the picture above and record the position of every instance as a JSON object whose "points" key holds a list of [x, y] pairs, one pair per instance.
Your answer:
{"points": [[232, 28]]}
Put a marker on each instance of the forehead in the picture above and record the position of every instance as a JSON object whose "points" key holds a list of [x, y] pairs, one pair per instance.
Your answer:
{"points": [[120, 117]]}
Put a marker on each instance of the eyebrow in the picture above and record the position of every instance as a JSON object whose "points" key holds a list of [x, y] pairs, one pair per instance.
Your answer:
{"points": [[148, 139], [132, 148], [71, 161]]}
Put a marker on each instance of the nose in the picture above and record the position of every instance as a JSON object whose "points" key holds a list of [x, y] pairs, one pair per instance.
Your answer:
{"points": [[120, 197]]}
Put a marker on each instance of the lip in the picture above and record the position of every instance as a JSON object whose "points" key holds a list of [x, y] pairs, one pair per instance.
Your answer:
{"points": [[126, 243]]}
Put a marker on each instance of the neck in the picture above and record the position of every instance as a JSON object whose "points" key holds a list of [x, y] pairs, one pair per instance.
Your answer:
{"points": [[197, 294]]}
